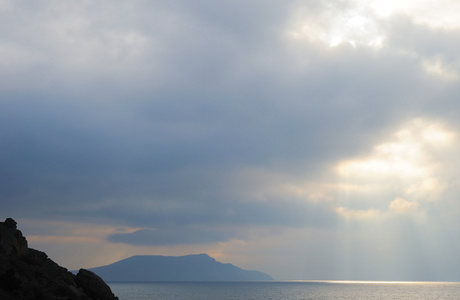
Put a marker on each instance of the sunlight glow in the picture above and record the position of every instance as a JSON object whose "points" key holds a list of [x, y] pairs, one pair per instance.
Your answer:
{"points": [[407, 157], [358, 214], [436, 135], [354, 27], [407, 166], [402, 206], [384, 282], [429, 189], [381, 167], [360, 22], [440, 13]]}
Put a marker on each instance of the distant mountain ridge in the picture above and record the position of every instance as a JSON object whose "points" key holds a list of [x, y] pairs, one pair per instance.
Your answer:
{"points": [[195, 267]]}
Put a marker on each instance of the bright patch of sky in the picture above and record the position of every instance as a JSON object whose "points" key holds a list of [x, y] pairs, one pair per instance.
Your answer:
{"points": [[407, 167], [364, 22]]}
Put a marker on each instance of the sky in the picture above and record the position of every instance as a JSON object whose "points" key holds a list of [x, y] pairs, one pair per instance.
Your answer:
{"points": [[312, 139]]}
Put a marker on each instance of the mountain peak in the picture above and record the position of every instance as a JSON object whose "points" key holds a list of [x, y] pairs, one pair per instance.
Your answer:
{"points": [[193, 267]]}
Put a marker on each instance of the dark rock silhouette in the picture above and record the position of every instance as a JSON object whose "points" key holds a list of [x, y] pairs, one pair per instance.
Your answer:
{"points": [[28, 274], [93, 285], [199, 267]]}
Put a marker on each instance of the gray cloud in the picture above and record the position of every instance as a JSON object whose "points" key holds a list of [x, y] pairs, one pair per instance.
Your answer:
{"points": [[89, 143], [181, 116], [169, 237]]}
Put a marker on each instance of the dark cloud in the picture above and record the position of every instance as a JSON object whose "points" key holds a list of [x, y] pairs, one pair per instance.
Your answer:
{"points": [[170, 236], [189, 118], [160, 143]]}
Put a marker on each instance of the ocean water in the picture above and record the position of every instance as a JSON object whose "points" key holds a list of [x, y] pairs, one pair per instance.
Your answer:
{"points": [[289, 290]]}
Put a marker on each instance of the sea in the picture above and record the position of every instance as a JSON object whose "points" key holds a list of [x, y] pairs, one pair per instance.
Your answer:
{"points": [[286, 290]]}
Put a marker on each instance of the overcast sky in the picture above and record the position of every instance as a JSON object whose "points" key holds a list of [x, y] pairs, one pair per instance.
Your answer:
{"points": [[313, 139]]}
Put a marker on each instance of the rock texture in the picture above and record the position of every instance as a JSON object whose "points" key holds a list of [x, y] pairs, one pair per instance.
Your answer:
{"points": [[93, 285], [28, 274]]}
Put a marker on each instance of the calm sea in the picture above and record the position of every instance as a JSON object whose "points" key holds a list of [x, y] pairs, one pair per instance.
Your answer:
{"points": [[290, 290]]}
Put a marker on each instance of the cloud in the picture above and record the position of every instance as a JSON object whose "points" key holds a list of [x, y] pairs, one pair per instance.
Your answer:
{"points": [[170, 236], [219, 119], [429, 189], [368, 214], [402, 206]]}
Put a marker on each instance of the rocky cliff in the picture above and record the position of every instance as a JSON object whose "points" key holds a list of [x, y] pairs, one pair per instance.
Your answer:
{"points": [[28, 274]]}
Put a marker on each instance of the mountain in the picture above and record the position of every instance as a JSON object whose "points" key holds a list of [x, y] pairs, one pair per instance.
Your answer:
{"points": [[197, 267]]}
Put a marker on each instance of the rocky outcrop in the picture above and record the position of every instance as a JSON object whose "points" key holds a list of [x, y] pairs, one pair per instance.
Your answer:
{"points": [[29, 274], [93, 285], [11, 240]]}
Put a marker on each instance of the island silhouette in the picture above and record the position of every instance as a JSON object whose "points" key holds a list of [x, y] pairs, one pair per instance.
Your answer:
{"points": [[195, 267]]}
